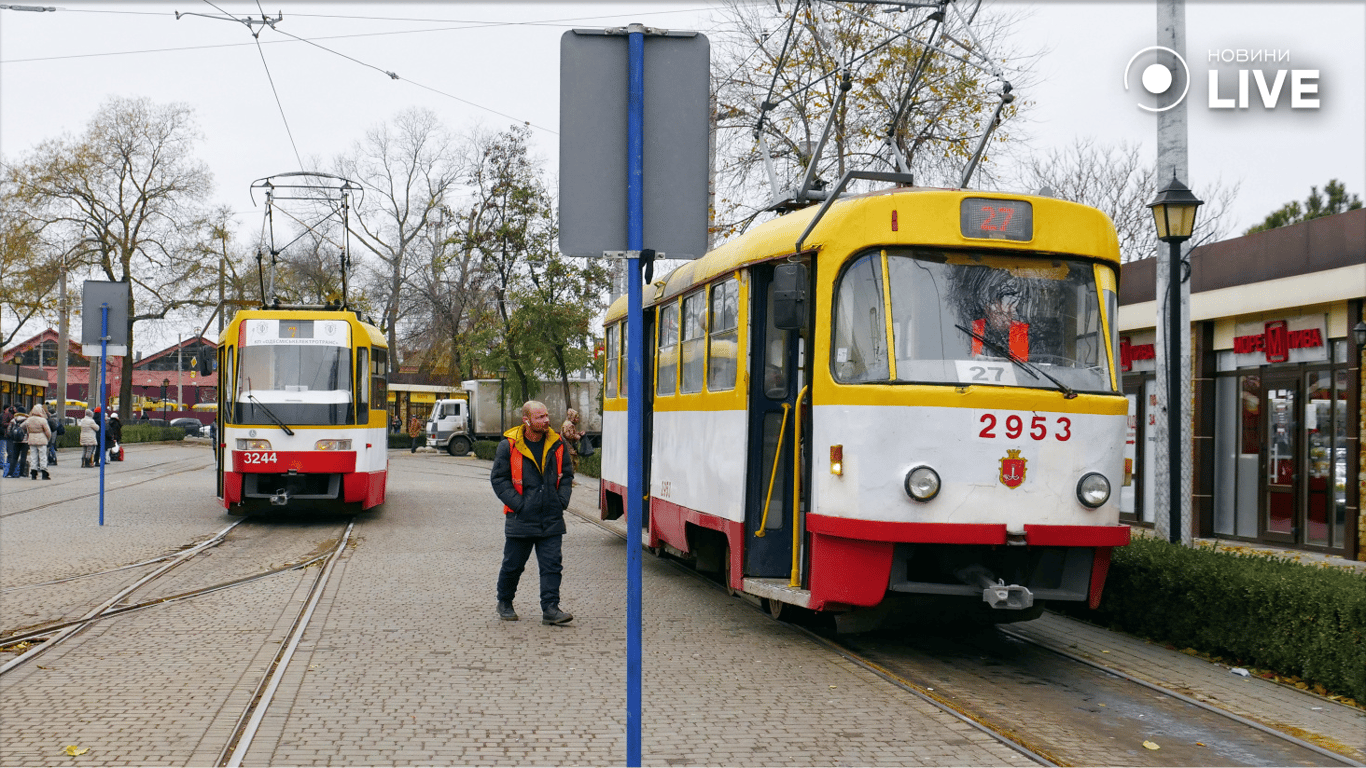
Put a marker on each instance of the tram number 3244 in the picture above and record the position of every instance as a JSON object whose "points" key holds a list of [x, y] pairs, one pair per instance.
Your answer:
{"points": [[1013, 426], [255, 457]]}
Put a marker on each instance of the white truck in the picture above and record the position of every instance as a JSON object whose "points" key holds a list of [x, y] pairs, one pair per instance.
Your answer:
{"points": [[489, 408]]}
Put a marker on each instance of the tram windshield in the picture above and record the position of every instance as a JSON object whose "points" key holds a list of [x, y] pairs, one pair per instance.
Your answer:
{"points": [[969, 318], [299, 373]]}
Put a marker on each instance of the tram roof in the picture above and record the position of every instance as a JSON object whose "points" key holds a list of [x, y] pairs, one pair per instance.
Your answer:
{"points": [[926, 216], [374, 334]]}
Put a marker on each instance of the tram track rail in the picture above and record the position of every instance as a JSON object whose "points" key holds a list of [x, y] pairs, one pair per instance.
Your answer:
{"points": [[55, 638], [1011, 736], [1245, 721], [1001, 736], [115, 488], [249, 722]]}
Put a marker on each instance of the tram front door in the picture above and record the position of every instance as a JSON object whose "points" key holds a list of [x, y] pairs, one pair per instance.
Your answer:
{"points": [[773, 386]]}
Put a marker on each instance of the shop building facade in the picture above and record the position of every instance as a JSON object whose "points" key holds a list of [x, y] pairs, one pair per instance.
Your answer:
{"points": [[1277, 386]]}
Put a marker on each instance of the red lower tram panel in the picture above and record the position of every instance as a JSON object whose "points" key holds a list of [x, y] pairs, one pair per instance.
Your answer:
{"points": [[277, 477]]}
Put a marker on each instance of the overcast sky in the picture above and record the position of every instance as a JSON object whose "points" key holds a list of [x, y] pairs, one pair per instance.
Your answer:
{"points": [[496, 63]]}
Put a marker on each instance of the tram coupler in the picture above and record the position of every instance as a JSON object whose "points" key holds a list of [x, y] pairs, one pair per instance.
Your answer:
{"points": [[1010, 597], [279, 498]]}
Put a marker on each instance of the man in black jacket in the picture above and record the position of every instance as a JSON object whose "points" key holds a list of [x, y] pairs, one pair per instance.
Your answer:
{"points": [[533, 475]]}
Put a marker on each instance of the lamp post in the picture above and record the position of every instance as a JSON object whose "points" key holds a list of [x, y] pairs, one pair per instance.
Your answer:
{"points": [[1359, 333], [502, 401], [1174, 214], [165, 384], [18, 360]]}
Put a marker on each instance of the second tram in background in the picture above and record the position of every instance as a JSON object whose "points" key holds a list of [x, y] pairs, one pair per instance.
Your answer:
{"points": [[903, 404], [301, 411]]}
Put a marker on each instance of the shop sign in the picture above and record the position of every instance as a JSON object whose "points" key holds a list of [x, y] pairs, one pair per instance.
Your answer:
{"points": [[1138, 353], [1301, 339]]}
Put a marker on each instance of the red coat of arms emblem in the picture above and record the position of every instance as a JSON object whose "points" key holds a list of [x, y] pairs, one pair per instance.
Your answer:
{"points": [[1012, 469]]}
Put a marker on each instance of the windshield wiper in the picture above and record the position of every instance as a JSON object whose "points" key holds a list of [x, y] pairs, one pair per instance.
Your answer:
{"points": [[1028, 367], [271, 414]]}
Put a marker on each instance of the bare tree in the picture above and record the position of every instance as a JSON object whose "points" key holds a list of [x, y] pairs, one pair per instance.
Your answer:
{"points": [[127, 198], [921, 83], [1115, 179], [408, 168], [28, 268]]}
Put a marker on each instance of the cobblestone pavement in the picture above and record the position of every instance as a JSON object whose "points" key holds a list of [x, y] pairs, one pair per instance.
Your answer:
{"points": [[410, 665], [407, 664], [1304, 715]]}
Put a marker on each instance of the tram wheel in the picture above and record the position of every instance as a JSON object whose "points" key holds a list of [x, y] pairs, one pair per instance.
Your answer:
{"points": [[774, 608]]}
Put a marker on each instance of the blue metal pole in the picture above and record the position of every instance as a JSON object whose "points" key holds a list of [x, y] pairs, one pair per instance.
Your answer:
{"points": [[635, 387], [99, 403]]}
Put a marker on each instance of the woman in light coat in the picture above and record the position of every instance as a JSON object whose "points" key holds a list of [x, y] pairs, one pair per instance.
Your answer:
{"points": [[39, 433], [90, 438]]}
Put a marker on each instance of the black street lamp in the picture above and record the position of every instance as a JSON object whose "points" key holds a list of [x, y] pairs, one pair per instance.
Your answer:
{"points": [[1174, 215], [165, 384], [502, 401], [18, 360]]}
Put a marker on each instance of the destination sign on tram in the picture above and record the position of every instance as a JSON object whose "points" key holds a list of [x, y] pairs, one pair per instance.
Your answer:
{"points": [[334, 333], [992, 219]]}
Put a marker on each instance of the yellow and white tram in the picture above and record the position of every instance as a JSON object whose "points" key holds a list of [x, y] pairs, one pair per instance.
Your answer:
{"points": [[940, 363], [301, 410]]}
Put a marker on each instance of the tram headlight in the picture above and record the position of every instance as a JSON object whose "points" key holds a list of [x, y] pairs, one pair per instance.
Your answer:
{"points": [[332, 445], [250, 444], [922, 483], [1093, 490]]}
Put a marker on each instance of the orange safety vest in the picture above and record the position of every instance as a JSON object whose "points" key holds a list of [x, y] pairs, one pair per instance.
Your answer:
{"points": [[516, 461], [1019, 338]]}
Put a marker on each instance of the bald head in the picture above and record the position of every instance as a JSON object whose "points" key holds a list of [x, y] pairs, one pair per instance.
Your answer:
{"points": [[535, 420]]}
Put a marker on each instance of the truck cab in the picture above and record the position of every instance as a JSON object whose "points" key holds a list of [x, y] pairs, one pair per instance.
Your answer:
{"points": [[449, 428]]}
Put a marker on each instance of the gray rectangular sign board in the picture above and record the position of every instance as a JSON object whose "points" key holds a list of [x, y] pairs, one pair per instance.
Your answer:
{"points": [[593, 91], [116, 295]]}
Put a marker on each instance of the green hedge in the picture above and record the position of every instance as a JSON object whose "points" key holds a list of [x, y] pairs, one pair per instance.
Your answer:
{"points": [[484, 449], [133, 433], [401, 440], [1254, 608]]}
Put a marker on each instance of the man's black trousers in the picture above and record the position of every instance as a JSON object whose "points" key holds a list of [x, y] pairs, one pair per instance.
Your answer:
{"points": [[515, 554]]}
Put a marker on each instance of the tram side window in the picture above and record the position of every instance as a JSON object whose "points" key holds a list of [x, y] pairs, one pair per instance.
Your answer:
{"points": [[362, 384], [694, 341], [666, 375], [611, 361], [379, 379], [724, 329], [860, 347]]}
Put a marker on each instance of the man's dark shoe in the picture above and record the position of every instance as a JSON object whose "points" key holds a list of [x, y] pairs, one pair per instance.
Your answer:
{"points": [[554, 616], [505, 611]]}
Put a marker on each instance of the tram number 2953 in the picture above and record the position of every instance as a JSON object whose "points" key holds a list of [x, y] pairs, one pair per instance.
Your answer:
{"points": [[1012, 426], [258, 457]]}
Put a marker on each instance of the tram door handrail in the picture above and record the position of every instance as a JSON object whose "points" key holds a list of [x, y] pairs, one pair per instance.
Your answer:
{"points": [[773, 475], [797, 489]]}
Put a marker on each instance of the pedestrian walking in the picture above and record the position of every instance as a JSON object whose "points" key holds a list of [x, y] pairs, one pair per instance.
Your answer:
{"points": [[18, 445], [57, 430], [414, 432], [569, 432], [90, 440], [533, 477], [39, 435], [116, 438], [97, 459], [6, 416]]}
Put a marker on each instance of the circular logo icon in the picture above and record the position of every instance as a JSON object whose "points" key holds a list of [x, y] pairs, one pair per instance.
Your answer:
{"points": [[329, 329], [1162, 73]]}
